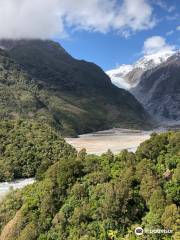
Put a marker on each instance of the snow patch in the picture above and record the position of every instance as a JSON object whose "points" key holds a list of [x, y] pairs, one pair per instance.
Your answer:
{"points": [[120, 76]]}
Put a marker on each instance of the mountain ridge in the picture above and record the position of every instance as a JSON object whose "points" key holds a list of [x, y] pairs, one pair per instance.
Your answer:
{"points": [[128, 76], [73, 95], [159, 90]]}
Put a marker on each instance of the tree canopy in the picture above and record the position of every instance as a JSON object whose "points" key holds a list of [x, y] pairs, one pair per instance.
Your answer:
{"points": [[91, 197]]}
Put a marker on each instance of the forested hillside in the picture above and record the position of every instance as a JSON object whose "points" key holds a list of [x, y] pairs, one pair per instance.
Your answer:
{"points": [[40, 80], [88, 197], [28, 148]]}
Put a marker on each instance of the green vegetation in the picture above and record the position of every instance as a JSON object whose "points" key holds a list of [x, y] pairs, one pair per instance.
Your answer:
{"points": [[28, 149], [40, 81], [45, 92], [89, 197]]}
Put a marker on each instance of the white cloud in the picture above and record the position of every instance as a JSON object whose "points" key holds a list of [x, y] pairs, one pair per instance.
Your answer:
{"points": [[156, 44], [29, 18], [171, 9], [173, 17], [170, 33], [131, 15], [163, 4], [178, 28], [47, 18]]}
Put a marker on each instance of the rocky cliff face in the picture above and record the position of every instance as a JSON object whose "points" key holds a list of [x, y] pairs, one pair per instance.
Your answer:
{"points": [[159, 90]]}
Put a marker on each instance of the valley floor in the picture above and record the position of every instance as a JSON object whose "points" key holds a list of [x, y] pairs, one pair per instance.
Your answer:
{"points": [[115, 139]]}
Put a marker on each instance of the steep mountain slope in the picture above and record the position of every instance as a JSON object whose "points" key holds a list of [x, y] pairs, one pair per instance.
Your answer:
{"points": [[40, 80], [159, 89], [128, 76]]}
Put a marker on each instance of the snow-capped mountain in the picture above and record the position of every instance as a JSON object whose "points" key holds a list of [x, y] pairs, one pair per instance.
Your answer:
{"points": [[159, 90], [128, 76], [118, 75]]}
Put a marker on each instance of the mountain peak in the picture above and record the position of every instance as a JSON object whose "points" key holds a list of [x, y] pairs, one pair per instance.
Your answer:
{"points": [[174, 57], [159, 90], [128, 76], [152, 60], [9, 44]]}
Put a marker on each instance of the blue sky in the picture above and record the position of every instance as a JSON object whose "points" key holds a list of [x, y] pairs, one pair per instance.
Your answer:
{"points": [[107, 32], [111, 48]]}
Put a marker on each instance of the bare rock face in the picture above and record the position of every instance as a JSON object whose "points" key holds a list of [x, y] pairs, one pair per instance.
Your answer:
{"points": [[159, 90], [133, 77]]}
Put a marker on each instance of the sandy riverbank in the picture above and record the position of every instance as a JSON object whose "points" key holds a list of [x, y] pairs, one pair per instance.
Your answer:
{"points": [[114, 139]]}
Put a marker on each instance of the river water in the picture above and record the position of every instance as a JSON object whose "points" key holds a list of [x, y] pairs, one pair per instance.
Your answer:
{"points": [[5, 187]]}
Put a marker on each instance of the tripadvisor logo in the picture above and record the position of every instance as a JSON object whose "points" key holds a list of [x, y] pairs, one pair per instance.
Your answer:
{"points": [[139, 231]]}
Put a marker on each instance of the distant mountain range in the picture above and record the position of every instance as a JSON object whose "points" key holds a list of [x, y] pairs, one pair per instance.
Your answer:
{"points": [[128, 76], [40, 80], [155, 81], [159, 90]]}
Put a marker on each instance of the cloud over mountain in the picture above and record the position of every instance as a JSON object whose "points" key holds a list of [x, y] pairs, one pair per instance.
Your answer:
{"points": [[156, 44], [48, 18]]}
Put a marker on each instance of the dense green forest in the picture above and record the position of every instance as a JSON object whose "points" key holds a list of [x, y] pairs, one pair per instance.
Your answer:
{"points": [[28, 148], [89, 197]]}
